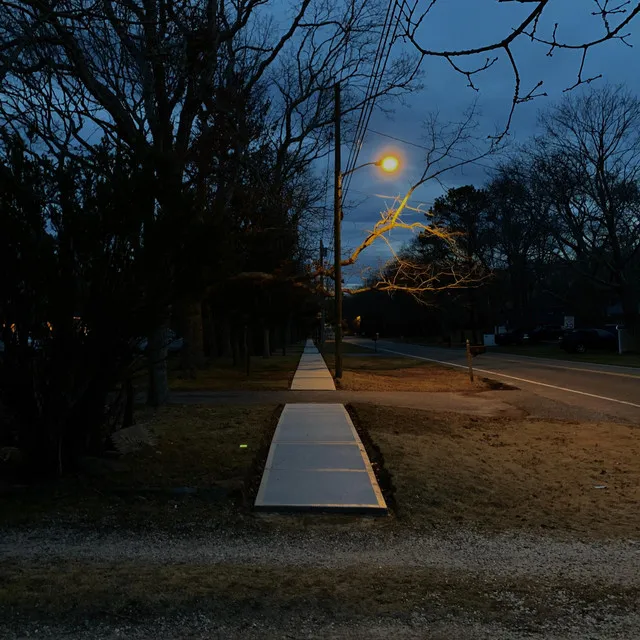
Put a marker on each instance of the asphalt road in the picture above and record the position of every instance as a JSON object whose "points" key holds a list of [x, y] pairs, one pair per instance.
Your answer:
{"points": [[604, 389]]}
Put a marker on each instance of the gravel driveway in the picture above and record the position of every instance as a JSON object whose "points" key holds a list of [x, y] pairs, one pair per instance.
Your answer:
{"points": [[436, 584]]}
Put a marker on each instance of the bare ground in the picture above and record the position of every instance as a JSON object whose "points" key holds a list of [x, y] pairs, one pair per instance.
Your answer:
{"points": [[199, 465], [509, 474], [402, 374], [317, 583], [366, 370], [497, 532]]}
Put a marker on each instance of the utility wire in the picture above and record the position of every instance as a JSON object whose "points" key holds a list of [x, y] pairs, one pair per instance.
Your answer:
{"points": [[375, 81], [325, 218], [420, 146], [385, 27], [373, 87], [378, 77]]}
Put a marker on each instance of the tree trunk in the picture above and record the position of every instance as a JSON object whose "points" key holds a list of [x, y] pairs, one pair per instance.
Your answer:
{"points": [[227, 349], [209, 333], [127, 419], [266, 342], [287, 331], [235, 351], [283, 339], [471, 302], [158, 393], [192, 355], [245, 349]]}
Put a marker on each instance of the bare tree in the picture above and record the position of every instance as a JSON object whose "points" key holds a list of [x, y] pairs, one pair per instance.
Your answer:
{"points": [[588, 165], [452, 145], [520, 241], [150, 74]]}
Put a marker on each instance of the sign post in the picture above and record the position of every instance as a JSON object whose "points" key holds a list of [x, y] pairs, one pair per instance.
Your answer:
{"points": [[469, 361], [619, 329]]}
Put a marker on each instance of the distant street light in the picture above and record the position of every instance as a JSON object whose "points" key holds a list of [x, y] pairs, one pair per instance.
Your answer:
{"points": [[388, 164]]}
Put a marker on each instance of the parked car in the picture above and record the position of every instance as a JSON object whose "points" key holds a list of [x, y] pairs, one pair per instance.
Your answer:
{"points": [[581, 340], [546, 333], [541, 333], [515, 336]]}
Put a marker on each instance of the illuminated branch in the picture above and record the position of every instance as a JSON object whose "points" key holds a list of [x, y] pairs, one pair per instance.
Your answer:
{"points": [[453, 146]]}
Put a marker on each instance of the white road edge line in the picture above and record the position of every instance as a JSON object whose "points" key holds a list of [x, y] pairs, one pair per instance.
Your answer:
{"points": [[541, 362], [504, 375]]}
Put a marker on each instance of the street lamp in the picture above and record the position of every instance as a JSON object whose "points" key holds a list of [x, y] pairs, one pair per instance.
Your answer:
{"points": [[389, 164], [386, 163]]}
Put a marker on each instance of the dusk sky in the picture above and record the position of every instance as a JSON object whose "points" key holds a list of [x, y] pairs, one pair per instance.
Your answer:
{"points": [[461, 24]]}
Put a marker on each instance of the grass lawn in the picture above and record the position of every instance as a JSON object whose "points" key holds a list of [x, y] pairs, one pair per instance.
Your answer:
{"points": [[553, 351], [364, 370], [501, 474], [274, 373], [196, 447]]}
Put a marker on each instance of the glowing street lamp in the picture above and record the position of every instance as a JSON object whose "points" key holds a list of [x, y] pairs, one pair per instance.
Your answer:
{"points": [[389, 164]]}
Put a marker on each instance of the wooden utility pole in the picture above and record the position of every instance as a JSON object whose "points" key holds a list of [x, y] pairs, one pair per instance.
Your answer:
{"points": [[337, 238], [322, 301]]}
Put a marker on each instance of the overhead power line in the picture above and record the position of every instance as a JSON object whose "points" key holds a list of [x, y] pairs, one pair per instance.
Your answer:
{"points": [[421, 146], [375, 81], [324, 228], [385, 29]]}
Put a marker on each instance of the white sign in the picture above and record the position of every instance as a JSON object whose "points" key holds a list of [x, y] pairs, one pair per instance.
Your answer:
{"points": [[569, 322]]}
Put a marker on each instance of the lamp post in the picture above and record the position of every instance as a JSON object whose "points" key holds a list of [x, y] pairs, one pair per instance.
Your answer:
{"points": [[388, 164]]}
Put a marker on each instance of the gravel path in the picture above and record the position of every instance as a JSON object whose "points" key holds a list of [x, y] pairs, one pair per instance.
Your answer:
{"points": [[487, 562], [616, 562], [420, 627]]}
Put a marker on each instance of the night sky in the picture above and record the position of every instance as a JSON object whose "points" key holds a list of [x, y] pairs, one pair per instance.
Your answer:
{"points": [[462, 24]]}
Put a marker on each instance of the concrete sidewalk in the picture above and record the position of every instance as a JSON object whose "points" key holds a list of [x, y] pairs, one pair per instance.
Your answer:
{"points": [[316, 461], [312, 372]]}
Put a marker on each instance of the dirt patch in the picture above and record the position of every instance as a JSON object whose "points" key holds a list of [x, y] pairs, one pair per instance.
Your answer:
{"points": [[401, 374], [501, 474], [195, 471], [495, 385]]}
